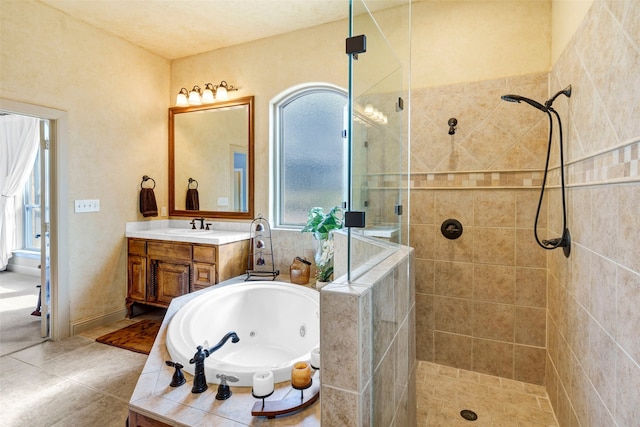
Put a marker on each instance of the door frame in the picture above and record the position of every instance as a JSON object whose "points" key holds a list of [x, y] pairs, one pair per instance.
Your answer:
{"points": [[59, 218]]}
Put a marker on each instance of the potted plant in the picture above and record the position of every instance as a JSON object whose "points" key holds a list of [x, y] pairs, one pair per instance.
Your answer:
{"points": [[322, 225]]}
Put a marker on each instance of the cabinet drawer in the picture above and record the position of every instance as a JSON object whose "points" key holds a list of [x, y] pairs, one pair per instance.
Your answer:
{"points": [[169, 250], [137, 247], [204, 253]]}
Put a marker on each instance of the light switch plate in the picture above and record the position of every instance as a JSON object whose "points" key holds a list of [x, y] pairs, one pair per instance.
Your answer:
{"points": [[88, 205]]}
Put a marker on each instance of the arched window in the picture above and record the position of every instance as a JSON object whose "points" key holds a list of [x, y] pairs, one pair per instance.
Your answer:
{"points": [[308, 143]]}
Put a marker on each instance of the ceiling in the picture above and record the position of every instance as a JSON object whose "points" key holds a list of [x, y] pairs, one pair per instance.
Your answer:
{"points": [[179, 28]]}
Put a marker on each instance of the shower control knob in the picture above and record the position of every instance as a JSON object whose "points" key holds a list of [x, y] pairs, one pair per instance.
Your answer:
{"points": [[451, 228]]}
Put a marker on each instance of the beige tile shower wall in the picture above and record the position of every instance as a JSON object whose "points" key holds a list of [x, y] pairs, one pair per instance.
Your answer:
{"points": [[491, 135], [481, 299], [367, 334], [593, 360]]}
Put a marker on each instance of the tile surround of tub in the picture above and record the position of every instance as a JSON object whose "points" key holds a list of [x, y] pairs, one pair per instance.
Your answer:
{"points": [[370, 363]]}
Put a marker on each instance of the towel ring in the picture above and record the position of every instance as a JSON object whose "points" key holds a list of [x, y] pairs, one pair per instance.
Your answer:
{"points": [[146, 178], [190, 181]]}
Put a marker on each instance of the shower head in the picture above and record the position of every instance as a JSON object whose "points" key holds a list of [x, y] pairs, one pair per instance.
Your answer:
{"points": [[518, 99], [566, 92]]}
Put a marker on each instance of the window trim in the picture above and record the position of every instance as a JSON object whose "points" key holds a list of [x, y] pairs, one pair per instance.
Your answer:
{"points": [[276, 102]]}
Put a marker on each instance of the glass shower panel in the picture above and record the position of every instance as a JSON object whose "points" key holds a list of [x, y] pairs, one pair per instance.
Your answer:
{"points": [[375, 133]]}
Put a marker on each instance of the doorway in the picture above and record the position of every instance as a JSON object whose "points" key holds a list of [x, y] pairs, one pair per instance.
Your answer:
{"points": [[24, 306], [48, 220]]}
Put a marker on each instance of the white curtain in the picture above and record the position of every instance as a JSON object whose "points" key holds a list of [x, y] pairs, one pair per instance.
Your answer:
{"points": [[19, 137]]}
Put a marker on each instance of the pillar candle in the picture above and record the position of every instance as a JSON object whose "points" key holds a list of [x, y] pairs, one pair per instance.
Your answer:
{"points": [[263, 383], [301, 374], [315, 357]]}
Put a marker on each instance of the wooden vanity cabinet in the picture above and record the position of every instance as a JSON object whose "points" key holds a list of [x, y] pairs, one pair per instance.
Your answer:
{"points": [[159, 271]]}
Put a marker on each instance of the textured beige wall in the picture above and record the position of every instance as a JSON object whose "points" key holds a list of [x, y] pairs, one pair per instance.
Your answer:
{"points": [[115, 95], [467, 41]]}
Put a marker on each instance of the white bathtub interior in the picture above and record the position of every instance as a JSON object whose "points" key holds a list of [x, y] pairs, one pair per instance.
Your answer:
{"points": [[278, 324]]}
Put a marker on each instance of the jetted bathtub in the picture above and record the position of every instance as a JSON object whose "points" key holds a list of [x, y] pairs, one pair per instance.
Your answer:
{"points": [[278, 324]]}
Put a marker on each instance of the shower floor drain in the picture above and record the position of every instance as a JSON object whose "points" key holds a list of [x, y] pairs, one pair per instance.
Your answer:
{"points": [[468, 415]]}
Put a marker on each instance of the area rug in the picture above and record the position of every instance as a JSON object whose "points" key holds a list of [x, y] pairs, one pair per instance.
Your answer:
{"points": [[138, 337]]}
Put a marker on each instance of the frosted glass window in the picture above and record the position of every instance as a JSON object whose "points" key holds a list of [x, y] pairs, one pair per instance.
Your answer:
{"points": [[311, 151]]}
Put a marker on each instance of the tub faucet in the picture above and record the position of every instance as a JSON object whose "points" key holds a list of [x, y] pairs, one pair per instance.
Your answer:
{"points": [[199, 380]]}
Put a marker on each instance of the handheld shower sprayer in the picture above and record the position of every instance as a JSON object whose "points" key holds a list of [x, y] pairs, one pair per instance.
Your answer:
{"points": [[518, 99], [564, 241], [544, 108]]}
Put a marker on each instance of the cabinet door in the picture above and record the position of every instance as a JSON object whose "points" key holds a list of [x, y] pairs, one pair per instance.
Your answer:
{"points": [[171, 280], [137, 277]]}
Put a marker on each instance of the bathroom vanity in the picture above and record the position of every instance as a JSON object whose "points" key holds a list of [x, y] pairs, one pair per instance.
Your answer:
{"points": [[165, 263]]}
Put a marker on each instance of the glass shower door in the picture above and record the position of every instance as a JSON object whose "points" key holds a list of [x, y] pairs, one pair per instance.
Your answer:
{"points": [[376, 110]]}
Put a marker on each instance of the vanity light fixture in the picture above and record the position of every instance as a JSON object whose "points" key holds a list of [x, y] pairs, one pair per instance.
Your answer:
{"points": [[209, 95], [195, 96], [181, 100]]}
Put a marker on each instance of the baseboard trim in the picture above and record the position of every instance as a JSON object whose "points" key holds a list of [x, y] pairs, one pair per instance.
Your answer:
{"points": [[104, 320], [24, 269]]}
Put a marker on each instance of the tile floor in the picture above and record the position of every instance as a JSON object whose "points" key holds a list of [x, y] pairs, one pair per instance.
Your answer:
{"points": [[78, 382], [443, 392], [69, 383], [18, 299]]}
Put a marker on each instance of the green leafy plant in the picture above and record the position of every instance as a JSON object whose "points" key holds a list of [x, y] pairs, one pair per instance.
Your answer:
{"points": [[322, 225]]}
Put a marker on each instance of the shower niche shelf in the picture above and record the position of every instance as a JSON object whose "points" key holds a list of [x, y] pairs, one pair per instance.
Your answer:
{"points": [[261, 263]]}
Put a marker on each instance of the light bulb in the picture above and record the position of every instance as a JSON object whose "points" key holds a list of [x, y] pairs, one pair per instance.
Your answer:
{"points": [[207, 97], [368, 110], [207, 94], [194, 96], [222, 94], [181, 99]]}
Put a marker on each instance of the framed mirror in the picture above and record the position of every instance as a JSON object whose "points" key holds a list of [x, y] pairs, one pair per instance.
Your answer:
{"points": [[211, 160]]}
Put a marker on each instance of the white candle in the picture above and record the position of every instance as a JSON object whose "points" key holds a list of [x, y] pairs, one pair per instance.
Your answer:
{"points": [[263, 383], [315, 357]]}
